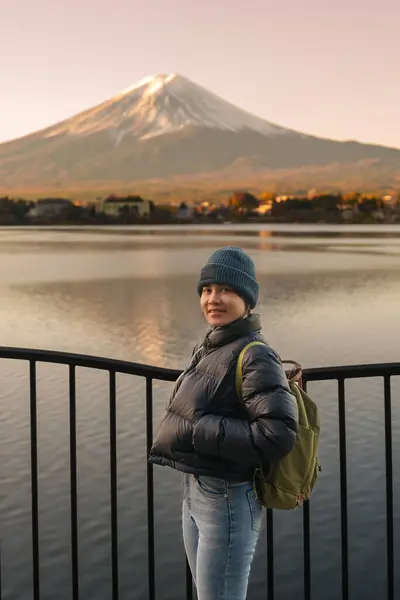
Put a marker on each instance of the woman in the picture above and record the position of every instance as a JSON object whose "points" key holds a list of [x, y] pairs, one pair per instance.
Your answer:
{"points": [[218, 439]]}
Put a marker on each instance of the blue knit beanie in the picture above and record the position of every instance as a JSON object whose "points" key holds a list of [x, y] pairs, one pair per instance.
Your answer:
{"points": [[231, 266]]}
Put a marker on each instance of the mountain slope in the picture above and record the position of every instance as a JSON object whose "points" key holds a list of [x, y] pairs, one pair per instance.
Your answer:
{"points": [[169, 126]]}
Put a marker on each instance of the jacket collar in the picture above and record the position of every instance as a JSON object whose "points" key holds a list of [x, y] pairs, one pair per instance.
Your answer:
{"points": [[219, 336]]}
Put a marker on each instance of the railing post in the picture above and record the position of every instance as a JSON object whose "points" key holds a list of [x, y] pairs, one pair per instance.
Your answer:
{"points": [[306, 550], [270, 555], [73, 483], [114, 486], [150, 490], [389, 488], [306, 540], [189, 582], [343, 489], [34, 479]]}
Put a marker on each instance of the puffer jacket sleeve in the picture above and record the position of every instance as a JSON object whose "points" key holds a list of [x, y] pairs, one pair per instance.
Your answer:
{"points": [[269, 433]]}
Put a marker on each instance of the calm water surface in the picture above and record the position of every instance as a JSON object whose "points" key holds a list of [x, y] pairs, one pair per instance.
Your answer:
{"points": [[328, 295]]}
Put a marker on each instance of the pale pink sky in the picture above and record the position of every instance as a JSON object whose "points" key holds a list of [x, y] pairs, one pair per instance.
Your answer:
{"points": [[330, 68]]}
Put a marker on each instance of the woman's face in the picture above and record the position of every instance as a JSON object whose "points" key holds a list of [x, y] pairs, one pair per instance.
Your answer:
{"points": [[221, 305]]}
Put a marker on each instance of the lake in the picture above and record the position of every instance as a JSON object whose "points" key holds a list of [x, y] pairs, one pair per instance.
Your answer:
{"points": [[329, 295]]}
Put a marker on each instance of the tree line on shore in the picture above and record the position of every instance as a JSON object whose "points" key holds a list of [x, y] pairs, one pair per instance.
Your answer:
{"points": [[240, 206]]}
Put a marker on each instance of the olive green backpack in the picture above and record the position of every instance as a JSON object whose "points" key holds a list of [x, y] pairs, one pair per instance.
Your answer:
{"points": [[286, 484]]}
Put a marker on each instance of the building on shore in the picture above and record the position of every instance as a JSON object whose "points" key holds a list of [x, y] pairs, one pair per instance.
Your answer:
{"points": [[115, 206], [50, 207]]}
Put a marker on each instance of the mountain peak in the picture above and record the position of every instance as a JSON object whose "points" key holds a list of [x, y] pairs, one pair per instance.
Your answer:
{"points": [[152, 84]]}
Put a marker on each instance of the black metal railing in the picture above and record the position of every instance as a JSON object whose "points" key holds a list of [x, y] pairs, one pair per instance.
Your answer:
{"points": [[149, 373]]}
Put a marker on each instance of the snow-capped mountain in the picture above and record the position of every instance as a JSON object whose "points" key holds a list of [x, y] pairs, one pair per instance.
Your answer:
{"points": [[167, 126], [160, 105]]}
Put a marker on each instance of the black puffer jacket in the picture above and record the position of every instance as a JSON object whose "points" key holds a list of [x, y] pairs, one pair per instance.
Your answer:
{"points": [[207, 429]]}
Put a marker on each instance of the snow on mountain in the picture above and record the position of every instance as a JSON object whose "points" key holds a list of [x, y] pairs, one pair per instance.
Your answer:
{"points": [[162, 104]]}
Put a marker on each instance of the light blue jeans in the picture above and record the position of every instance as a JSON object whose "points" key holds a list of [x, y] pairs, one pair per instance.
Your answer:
{"points": [[221, 523]]}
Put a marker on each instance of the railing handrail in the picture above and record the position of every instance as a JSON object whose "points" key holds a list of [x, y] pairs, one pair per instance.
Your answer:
{"points": [[352, 371], [89, 361], [163, 373]]}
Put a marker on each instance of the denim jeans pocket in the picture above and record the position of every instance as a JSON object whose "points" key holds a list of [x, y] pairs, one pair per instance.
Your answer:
{"points": [[255, 511], [211, 487]]}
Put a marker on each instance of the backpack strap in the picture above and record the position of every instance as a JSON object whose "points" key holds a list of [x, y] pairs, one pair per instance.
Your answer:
{"points": [[293, 376], [239, 378]]}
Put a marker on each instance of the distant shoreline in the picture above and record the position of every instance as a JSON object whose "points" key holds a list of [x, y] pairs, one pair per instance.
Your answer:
{"points": [[226, 228], [210, 222]]}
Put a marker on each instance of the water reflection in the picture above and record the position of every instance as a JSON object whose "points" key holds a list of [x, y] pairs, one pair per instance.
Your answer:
{"points": [[140, 304]]}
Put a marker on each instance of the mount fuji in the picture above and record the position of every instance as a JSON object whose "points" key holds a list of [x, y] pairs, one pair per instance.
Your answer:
{"points": [[166, 127]]}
